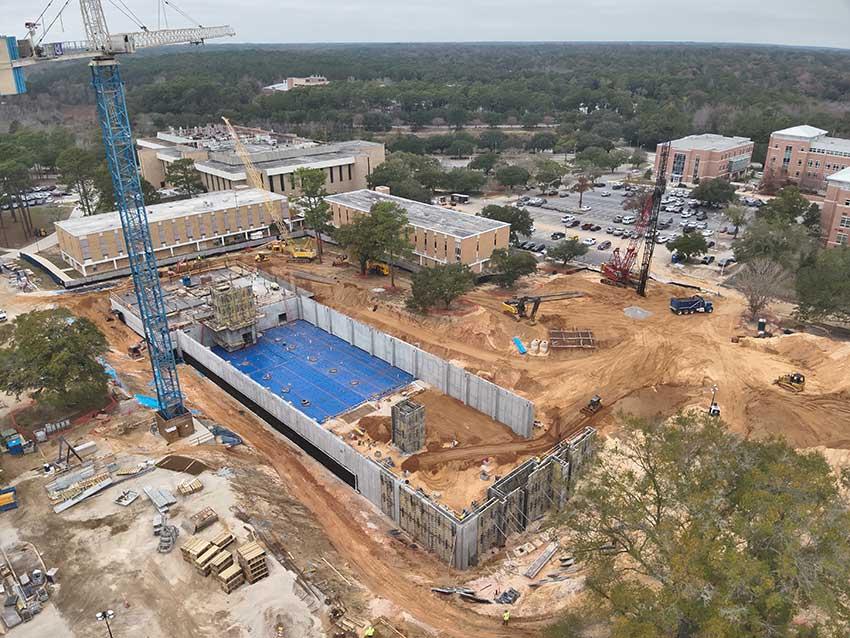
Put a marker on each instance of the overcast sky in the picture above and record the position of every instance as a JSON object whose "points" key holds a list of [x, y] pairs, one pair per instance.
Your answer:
{"points": [[795, 22]]}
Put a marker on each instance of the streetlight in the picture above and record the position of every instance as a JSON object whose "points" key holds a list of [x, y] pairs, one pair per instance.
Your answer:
{"points": [[106, 616]]}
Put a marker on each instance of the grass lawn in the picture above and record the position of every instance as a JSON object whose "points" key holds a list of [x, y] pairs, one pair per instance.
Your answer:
{"points": [[12, 234]]}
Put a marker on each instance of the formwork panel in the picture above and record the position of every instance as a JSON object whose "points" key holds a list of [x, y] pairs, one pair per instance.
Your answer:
{"points": [[425, 522], [539, 490], [491, 526]]}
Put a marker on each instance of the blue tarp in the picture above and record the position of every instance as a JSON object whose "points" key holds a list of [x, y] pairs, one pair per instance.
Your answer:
{"points": [[302, 363], [147, 402]]}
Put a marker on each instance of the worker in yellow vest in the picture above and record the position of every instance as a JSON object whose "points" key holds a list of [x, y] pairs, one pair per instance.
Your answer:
{"points": [[506, 616], [369, 631]]}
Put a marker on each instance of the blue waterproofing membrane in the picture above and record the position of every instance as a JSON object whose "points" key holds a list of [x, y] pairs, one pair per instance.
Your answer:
{"points": [[295, 360]]}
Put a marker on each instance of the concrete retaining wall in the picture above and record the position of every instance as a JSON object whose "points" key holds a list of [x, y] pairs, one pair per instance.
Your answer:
{"points": [[500, 404]]}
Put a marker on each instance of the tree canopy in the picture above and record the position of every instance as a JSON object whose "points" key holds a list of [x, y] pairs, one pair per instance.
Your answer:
{"points": [[714, 191], [567, 250], [823, 286], [784, 243], [311, 201], [512, 176], [519, 219], [509, 265], [183, 176], [439, 284], [685, 529], [688, 246], [79, 168], [53, 355]]}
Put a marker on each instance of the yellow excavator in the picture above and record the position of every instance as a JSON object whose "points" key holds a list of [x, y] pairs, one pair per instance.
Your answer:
{"points": [[795, 382], [518, 307], [377, 268], [304, 250]]}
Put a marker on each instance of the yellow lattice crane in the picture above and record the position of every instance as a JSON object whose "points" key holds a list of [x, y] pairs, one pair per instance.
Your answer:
{"points": [[300, 251]]}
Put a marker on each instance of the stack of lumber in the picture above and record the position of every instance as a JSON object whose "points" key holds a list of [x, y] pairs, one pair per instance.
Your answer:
{"points": [[231, 578], [252, 558]]}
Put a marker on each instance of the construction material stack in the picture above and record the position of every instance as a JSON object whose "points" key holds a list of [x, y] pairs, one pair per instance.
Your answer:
{"points": [[252, 559]]}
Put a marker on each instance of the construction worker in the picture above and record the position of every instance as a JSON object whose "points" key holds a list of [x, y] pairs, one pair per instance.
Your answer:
{"points": [[506, 616], [369, 631]]}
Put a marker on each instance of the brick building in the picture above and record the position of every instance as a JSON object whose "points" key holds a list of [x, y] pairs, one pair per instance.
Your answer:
{"points": [[210, 224], [806, 156], [835, 213], [439, 235], [706, 156]]}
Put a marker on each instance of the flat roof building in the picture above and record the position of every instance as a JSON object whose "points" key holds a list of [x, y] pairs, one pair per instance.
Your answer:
{"points": [[276, 156], [439, 235], [835, 214], [210, 224], [706, 156], [806, 156], [293, 83]]}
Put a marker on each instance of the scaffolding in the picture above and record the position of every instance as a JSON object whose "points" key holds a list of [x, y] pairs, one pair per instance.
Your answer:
{"points": [[234, 316]]}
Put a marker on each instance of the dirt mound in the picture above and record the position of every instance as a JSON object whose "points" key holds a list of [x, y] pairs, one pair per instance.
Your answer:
{"points": [[379, 428]]}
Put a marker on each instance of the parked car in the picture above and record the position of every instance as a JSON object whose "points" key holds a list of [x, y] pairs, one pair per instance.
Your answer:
{"points": [[702, 225], [558, 235], [564, 194], [618, 219], [687, 213], [599, 184], [588, 241], [618, 232], [711, 243], [586, 226], [605, 245], [540, 248], [609, 230], [527, 245], [727, 261], [628, 219], [605, 194], [662, 239], [584, 208], [572, 223], [596, 228], [707, 232], [702, 216], [3, 316], [708, 260], [566, 219]]}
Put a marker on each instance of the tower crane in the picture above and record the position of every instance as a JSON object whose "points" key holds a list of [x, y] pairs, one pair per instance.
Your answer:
{"points": [[103, 48]]}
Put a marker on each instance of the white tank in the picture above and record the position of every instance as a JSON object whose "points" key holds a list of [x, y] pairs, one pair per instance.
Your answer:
{"points": [[544, 347], [534, 346]]}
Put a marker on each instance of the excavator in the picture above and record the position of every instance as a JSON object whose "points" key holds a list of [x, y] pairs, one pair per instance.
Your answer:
{"points": [[518, 306], [795, 382], [296, 250]]}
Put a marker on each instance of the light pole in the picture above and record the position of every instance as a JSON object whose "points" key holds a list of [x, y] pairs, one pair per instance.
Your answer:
{"points": [[106, 616]]}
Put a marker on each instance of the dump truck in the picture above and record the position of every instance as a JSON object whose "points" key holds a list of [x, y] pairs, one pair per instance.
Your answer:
{"points": [[795, 382], [690, 305]]}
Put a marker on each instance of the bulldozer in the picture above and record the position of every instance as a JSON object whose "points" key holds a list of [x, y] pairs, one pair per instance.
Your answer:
{"points": [[593, 406], [261, 257], [795, 382]]}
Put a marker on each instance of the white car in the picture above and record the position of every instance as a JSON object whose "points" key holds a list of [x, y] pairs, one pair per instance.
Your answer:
{"points": [[605, 194], [707, 232], [566, 219], [3, 316], [584, 209], [662, 239], [589, 241], [687, 213], [629, 219]]}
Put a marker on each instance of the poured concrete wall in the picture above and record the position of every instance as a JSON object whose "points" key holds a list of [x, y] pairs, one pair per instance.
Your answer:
{"points": [[500, 404]]}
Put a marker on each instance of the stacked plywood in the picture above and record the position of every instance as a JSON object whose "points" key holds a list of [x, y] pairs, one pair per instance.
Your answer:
{"points": [[231, 578], [252, 558]]}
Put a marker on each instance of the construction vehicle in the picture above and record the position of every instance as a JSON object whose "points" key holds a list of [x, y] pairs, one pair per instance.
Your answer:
{"points": [[137, 349], [593, 406], [618, 271], [795, 382], [518, 306], [377, 268], [340, 260], [261, 256], [103, 48], [304, 250], [690, 305]]}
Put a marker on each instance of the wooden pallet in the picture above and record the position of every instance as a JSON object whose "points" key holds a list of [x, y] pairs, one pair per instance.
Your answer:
{"points": [[202, 562], [252, 558], [222, 539], [193, 548], [220, 562], [231, 578]]}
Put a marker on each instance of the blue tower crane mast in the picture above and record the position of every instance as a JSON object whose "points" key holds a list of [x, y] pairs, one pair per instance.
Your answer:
{"points": [[103, 47]]}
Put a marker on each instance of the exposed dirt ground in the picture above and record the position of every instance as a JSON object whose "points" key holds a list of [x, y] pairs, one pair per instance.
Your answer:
{"points": [[647, 367]]}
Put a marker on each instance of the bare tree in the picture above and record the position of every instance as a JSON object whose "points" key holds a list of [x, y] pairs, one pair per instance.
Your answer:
{"points": [[761, 281]]}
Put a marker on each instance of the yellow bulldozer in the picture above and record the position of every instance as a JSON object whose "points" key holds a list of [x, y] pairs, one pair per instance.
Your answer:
{"points": [[378, 268], [795, 382], [304, 250], [261, 256]]}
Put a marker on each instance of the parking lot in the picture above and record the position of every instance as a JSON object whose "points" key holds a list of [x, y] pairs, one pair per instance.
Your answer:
{"points": [[603, 209]]}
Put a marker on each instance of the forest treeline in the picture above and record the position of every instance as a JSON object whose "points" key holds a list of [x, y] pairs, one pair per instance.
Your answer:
{"points": [[639, 93]]}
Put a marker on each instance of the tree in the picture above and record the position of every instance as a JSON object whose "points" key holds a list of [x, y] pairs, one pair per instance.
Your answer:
{"points": [[408, 175], [512, 176], [519, 219], [761, 280], [407, 144], [493, 140], [714, 191], [78, 168], [737, 215], [686, 530], [788, 207], [14, 181], [183, 176], [461, 148], [688, 245], [637, 158], [53, 355], [106, 194], [382, 235], [542, 141], [583, 184], [823, 286], [567, 250], [510, 265], [439, 284], [787, 244], [485, 162], [311, 201], [549, 171], [463, 180]]}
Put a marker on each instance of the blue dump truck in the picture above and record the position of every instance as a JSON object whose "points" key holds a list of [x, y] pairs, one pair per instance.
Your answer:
{"points": [[690, 305]]}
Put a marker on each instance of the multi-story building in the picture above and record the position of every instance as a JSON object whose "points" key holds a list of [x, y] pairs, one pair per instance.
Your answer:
{"points": [[806, 156], [706, 156], [294, 83], [439, 235], [835, 213], [346, 164], [210, 224]]}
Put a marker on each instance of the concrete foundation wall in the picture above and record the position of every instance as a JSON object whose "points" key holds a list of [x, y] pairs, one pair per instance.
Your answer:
{"points": [[500, 404]]}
